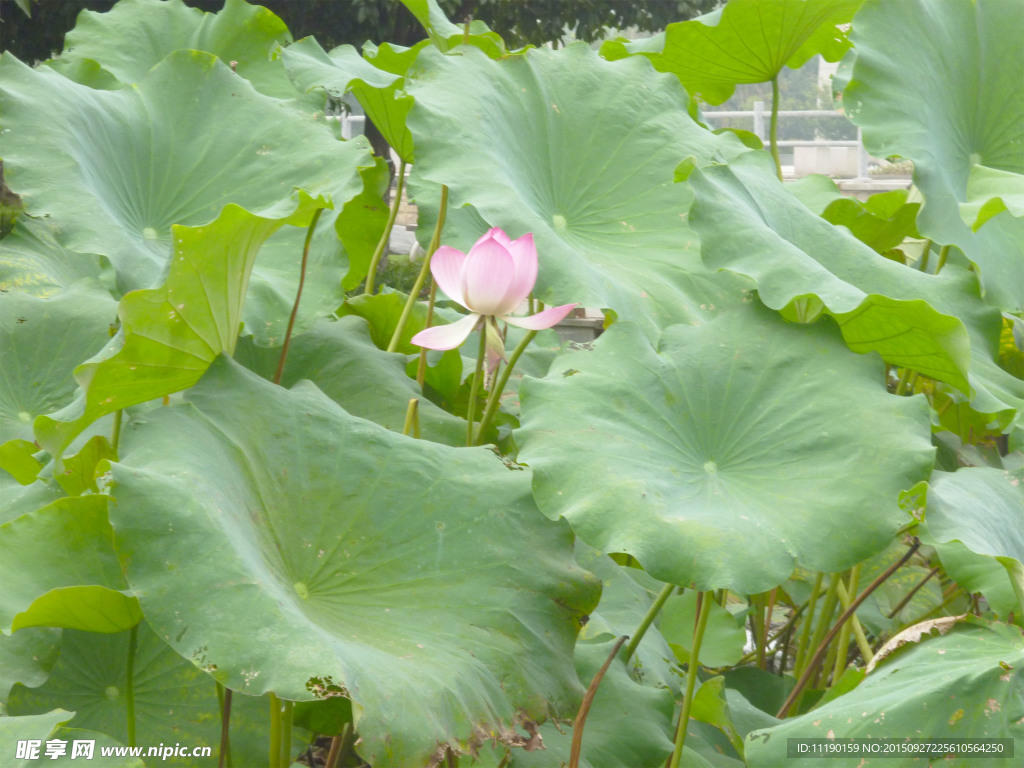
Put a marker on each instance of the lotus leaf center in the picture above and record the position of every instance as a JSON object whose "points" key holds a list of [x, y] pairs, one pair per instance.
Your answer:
{"points": [[112, 692], [149, 233], [24, 416], [301, 590], [710, 467], [559, 221]]}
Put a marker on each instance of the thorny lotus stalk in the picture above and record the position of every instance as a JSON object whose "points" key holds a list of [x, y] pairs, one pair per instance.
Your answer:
{"points": [[396, 201], [704, 610], [298, 297], [422, 276]]}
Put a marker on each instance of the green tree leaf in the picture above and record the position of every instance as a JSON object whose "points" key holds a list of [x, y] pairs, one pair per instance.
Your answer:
{"points": [[726, 452], [416, 579]]}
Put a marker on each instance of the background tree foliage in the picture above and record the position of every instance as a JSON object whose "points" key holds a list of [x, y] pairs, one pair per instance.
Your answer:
{"points": [[335, 22]]}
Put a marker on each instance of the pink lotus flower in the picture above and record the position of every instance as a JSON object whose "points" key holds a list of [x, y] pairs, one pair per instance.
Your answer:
{"points": [[492, 280]]}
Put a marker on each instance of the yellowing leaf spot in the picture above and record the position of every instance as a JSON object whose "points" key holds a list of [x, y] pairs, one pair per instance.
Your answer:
{"points": [[957, 717]]}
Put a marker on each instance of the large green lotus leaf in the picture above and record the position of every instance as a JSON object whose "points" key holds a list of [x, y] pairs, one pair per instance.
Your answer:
{"points": [[175, 703], [169, 335], [32, 727], [726, 452], [990, 191], [80, 586], [31, 260], [940, 85], [382, 312], [21, 499], [29, 655], [342, 360], [934, 324], [749, 224], [975, 573], [417, 579], [983, 508], [343, 70], [117, 169], [136, 35], [747, 41], [883, 221], [339, 254], [42, 340], [967, 683], [626, 596], [275, 281], [629, 725], [724, 638], [361, 222], [551, 158], [446, 35]]}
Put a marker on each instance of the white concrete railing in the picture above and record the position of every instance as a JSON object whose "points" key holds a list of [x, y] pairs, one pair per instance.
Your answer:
{"points": [[761, 116]]}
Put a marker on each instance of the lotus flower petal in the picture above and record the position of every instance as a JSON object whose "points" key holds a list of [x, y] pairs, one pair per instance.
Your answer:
{"points": [[446, 267], [446, 336], [541, 320], [488, 279], [524, 254]]}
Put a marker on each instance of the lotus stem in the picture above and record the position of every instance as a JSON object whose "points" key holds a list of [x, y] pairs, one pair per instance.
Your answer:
{"points": [[335, 751], [224, 699], [115, 432], [474, 388], [129, 692], [435, 241], [943, 255], [842, 647], [926, 252], [588, 700], [858, 631], [287, 716], [648, 619], [385, 238], [494, 396], [804, 641], [298, 296], [412, 418], [773, 130], [421, 366], [275, 731], [910, 595], [802, 682], [703, 611]]}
